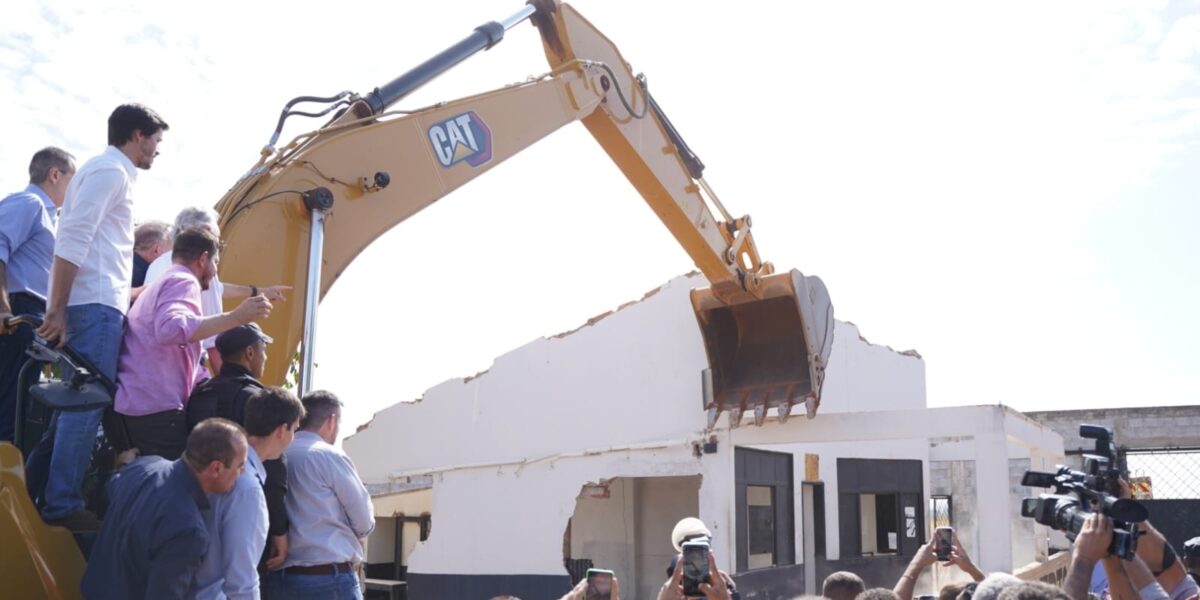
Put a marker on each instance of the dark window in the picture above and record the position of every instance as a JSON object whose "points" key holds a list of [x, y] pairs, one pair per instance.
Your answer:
{"points": [[765, 515], [879, 504], [879, 516]]}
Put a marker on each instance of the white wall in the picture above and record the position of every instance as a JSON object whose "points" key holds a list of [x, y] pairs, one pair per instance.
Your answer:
{"points": [[633, 377], [620, 397], [661, 503], [602, 529], [863, 376]]}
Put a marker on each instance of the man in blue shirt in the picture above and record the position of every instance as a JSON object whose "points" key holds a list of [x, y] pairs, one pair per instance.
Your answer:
{"points": [[154, 536], [328, 507], [237, 523], [27, 223]]}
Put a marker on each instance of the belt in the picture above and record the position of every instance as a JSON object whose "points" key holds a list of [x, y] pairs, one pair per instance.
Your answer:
{"points": [[326, 569]]}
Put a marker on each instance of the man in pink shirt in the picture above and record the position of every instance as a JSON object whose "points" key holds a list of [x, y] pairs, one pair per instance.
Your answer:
{"points": [[160, 353]]}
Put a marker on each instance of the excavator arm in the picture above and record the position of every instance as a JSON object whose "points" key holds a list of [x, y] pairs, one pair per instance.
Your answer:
{"points": [[306, 210]]}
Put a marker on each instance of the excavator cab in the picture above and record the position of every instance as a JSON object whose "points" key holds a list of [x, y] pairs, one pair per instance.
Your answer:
{"points": [[770, 352]]}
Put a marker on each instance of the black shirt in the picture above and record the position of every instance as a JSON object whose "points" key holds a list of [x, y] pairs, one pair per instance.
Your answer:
{"points": [[222, 396], [140, 265], [225, 396]]}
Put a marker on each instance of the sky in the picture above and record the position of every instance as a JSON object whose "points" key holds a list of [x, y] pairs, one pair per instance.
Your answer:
{"points": [[1009, 188]]}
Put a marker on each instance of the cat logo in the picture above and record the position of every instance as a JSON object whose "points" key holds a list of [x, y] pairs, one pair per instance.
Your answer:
{"points": [[462, 138]]}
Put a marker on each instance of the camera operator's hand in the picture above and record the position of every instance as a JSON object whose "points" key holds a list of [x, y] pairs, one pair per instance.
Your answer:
{"points": [[925, 557], [1093, 540], [579, 592], [673, 588], [1125, 489], [959, 558], [718, 590]]}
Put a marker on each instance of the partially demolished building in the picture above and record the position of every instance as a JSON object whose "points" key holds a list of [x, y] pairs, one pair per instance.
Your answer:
{"points": [[585, 449]]}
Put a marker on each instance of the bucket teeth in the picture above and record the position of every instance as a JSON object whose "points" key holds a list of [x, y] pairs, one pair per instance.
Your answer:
{"points": [[782, 411], [735, 417], [714, 412], [810, 407], [760, 414]]}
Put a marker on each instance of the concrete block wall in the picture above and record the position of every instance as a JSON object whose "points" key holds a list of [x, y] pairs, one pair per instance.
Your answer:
{"points": [[1148, 427]]}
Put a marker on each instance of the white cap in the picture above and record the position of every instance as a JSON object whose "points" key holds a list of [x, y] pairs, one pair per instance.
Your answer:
{"points": [[685, 528]]}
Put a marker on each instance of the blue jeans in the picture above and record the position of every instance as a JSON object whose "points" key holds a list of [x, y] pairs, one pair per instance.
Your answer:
{"points": [[343, 586], [94, 331], [12, 358]]}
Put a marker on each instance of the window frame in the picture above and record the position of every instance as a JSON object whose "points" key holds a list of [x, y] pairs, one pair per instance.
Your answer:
{"points": [[762, 468]]}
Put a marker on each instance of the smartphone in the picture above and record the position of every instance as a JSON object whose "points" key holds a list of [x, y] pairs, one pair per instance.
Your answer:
{"points": [[695, 568], [943, 542], [599, 584]]}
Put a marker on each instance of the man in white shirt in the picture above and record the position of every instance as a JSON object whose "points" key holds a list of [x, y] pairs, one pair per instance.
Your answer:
{"points": [[329, 509], [89, 292], [237, 522]]}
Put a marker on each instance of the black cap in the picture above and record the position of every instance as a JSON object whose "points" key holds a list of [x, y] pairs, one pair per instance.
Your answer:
{"points": [[235, 340], [1191, 548]]}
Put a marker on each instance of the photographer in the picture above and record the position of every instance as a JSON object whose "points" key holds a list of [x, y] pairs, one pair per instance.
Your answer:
{"points": [[1156, 553], [580, 591], [925, 557], [1128, 580], [1191, 558], [673, 588], [691, 529]]}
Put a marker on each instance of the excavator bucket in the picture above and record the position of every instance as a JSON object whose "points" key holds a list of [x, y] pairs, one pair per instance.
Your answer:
{"points": [[770, 352]]}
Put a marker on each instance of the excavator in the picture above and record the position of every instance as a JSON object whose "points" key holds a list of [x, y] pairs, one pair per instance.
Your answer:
{"points": [[307, 208]]}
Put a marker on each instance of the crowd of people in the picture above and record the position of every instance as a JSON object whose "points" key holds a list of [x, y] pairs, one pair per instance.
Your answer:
{"points": [[222, 487], [1154, 573]]}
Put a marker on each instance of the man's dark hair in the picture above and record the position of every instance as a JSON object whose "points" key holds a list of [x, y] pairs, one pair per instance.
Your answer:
{"points": [[128, 118], [842, 585], [269, 408], [878, 594], [190, 244], [1033, 590], [950, 591], [49, 158], [150, 233], [213, 439], [318, 406]]}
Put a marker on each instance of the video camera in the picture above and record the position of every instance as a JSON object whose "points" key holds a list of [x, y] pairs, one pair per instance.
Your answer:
{"points": [[1079, 493]]}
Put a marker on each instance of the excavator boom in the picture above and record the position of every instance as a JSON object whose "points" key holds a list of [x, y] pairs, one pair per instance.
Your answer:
{"points": [[767, 335]]}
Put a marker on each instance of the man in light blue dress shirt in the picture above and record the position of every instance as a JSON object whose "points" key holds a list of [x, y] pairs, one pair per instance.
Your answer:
{"points": [[328, 507], [27, 223], [237, 522]]}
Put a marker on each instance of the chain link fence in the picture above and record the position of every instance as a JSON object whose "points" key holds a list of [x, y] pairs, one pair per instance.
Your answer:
{"points": [[1164, 473]]}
